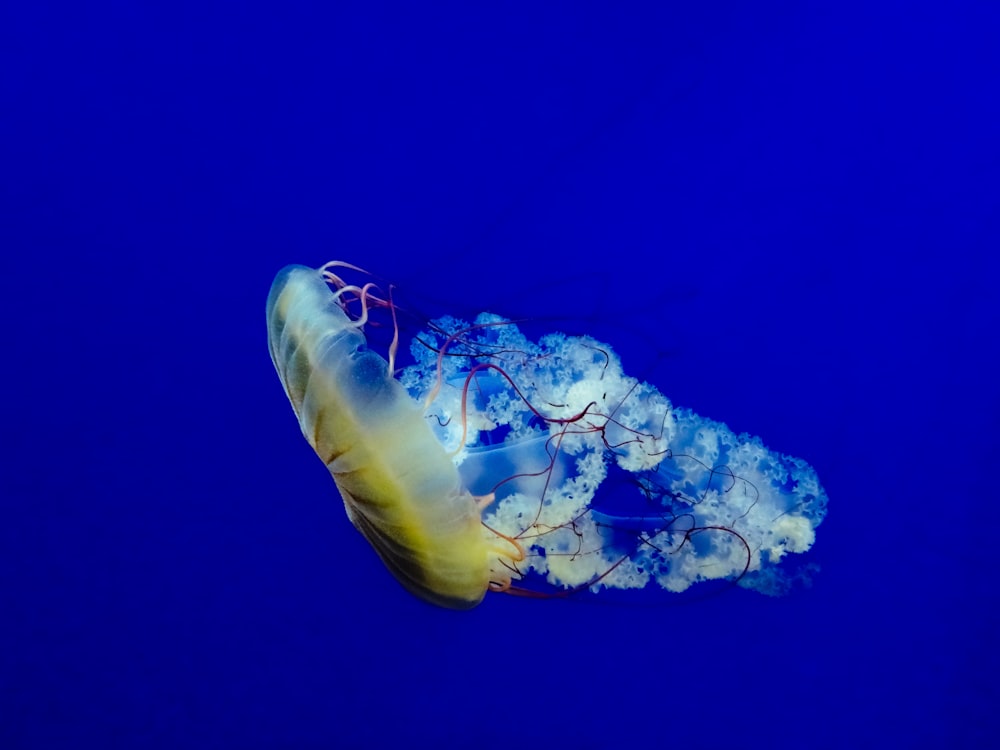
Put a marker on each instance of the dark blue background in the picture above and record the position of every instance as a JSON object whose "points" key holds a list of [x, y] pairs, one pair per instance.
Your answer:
{"points": [[787, 219]]}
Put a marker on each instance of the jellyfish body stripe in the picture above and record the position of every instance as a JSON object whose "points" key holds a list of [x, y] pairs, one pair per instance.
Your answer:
{"points": [[400, 488]]}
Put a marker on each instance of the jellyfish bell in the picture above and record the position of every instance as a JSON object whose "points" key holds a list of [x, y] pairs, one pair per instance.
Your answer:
{"points": [[400, 488], [486, 462]]}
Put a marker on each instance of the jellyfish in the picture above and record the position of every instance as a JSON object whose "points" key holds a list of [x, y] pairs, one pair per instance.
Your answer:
{"points": [[495, 462]]}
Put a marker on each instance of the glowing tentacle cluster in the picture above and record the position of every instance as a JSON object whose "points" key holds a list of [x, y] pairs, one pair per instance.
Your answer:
{"points": [[549, 421]]}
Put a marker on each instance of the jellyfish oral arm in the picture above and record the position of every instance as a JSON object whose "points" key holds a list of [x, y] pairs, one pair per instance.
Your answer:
{"points": [[544, 425]]}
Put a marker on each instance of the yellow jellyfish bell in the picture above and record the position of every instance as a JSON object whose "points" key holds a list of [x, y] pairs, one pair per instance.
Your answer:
{"points": [[400, 488]]}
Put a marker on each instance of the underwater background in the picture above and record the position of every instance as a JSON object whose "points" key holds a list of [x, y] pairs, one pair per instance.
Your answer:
{"points": [[786, 219]]}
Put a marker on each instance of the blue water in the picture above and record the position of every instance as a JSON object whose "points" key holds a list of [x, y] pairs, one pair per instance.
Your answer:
{"points": [[786, 219]]}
